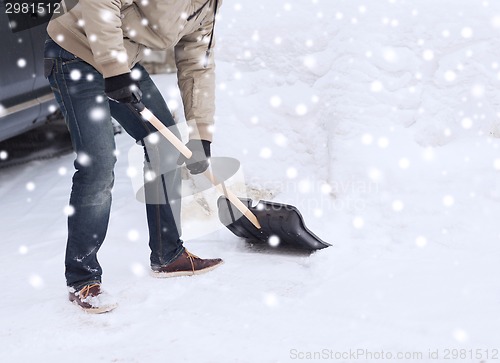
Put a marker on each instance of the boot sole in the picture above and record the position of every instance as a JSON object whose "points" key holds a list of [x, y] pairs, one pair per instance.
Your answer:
{"points": [[184, 273], [100, 310]]}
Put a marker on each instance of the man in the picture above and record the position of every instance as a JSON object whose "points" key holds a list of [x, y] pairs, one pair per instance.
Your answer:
{"points": [[91, 61]]}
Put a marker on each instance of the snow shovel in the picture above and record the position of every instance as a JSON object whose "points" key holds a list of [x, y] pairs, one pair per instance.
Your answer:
{"points": [[281, 224]]}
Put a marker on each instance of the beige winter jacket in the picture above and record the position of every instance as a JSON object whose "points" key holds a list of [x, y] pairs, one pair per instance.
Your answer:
{"points": [[112, 36]]}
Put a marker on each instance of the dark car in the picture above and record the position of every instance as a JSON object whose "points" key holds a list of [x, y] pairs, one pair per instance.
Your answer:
{"points": [[26, 100]]}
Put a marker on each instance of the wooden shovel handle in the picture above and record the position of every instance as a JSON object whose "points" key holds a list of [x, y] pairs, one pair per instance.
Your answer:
{"points": [[179, 145]]}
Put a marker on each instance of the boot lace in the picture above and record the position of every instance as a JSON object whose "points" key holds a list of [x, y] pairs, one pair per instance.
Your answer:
{"points": [[191, 259], [84, 292]]}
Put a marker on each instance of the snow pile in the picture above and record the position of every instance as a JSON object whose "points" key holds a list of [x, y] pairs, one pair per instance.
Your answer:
{"points": [[379, 121]]}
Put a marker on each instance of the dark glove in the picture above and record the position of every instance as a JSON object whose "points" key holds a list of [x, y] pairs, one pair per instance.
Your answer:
{"points": [[122, 89], [198, 162]]}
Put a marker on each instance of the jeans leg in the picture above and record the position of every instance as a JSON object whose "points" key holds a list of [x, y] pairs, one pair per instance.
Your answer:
{"points": [[78, 88], [162, 175]]}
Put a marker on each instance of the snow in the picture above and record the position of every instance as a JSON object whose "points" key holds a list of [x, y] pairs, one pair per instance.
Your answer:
{"points": [[21, 62], [378, 120]]}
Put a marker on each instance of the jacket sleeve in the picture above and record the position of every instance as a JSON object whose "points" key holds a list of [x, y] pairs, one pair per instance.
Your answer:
{"points": [[196, 77], [102, 25]]}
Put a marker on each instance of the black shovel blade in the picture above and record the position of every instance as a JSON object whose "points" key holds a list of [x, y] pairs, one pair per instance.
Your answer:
{"points": [[281, 224]]}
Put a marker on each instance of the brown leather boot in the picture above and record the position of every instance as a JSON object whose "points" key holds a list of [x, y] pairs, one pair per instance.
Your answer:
{"points": [[187, 264], [91, 299]]}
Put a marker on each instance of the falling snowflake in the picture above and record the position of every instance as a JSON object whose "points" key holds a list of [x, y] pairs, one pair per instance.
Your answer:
{"points": [[273, 241], [75, 75], [138, 269], [301, 109], [106, 15], [495, 21], [133, 235], [136, 74], [428, 153], [358, 222], [466, 32], [466, 123], [450, 76], [421, 241], [271, 300], [83, 159], [265, 153], [62, 170], [23, 250], [275, 101], [280, 140], [390, 55], [397, 206], [383, 142], [309, 62], [326, 188], [21, 62], [4, 155], [153, 138], [448, 200], [172, 104], [428, 55], [121, 57], [149, 175], [496, 164], [97, 114], [36, 281], [478, 91], [375, 174], [30, 186], [404, 163], [69, 210], [460, 335]]}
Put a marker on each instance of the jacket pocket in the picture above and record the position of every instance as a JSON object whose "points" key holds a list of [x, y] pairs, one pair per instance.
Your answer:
{"points": [[135, 30]]}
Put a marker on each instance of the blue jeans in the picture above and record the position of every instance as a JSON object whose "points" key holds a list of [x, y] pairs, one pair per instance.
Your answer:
{"points": [[79, 90]]}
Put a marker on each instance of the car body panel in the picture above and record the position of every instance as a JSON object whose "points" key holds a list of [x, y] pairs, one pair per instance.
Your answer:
{"points": [[25, 95]]}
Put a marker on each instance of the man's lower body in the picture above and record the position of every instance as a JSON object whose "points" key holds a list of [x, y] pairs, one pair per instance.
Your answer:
{"points": [[79, 90]]}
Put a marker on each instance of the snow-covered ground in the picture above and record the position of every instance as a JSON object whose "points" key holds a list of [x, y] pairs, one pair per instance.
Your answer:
{"points": [[380, 121]]}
